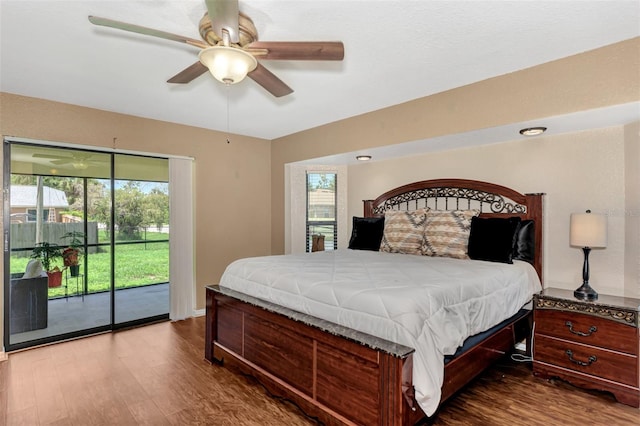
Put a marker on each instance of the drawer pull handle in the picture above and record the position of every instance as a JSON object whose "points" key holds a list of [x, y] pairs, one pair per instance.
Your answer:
{"points": [[591, 360], [592, 330]]}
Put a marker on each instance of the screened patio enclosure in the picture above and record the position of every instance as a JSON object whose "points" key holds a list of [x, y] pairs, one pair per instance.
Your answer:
{"points": [[113, 210]]}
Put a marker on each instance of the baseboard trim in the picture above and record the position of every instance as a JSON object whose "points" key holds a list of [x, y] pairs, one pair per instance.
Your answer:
{"points": [[3, 356], [199, 312]]}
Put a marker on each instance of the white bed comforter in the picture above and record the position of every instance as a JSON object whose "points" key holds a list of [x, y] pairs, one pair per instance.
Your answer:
{"points": [[430, 304]]}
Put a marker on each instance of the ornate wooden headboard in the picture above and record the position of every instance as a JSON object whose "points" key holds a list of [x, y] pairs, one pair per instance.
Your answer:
{"points": [[457, 194]]}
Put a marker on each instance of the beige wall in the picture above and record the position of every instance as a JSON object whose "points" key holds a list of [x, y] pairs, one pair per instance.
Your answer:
{"points": [[232, 195], [599, 78], [576, 171], [632, 210], [2, 354]]}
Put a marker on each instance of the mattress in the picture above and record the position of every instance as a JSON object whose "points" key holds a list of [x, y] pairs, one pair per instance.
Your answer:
{"points": [[431, 304]]}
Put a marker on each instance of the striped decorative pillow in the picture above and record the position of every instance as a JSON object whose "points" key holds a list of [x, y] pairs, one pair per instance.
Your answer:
{"points": [[404, 231], [446, 233]]}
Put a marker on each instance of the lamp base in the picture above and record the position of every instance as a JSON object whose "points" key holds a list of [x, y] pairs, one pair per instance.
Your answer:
{"points": [[585, 292]]}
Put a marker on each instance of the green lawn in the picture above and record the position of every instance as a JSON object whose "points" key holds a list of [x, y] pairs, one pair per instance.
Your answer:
{"points": [[135, 265]]}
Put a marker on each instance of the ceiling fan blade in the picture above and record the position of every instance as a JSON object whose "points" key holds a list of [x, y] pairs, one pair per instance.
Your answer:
{"points": [[51, 156], [61, 162], [299, 50], [105, 22], [188, 74], [269, 81], [224, 15]]}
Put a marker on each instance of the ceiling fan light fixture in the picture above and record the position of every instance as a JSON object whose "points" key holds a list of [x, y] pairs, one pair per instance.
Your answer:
{"points": [[80, 165], [228, 65]]}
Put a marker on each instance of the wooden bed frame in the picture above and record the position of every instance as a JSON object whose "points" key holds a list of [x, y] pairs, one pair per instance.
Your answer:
{"points": [[341, 376]]}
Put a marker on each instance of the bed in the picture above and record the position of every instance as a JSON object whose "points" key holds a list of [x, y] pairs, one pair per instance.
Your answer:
{"points": [[328, 330]]}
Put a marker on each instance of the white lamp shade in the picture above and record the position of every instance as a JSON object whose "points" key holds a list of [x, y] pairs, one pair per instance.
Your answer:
{"points": [[588, 230], [227, 64]]}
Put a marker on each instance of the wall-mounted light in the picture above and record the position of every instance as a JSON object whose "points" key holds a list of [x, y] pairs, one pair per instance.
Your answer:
{"points": [[363, 157], [533, 131]]}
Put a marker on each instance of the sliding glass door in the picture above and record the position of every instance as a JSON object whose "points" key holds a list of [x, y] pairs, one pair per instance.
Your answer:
{"points": [[87, 242], [141, 243]]}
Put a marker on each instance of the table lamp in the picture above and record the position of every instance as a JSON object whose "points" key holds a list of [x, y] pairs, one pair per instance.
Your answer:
{"points": [[588, 231]]}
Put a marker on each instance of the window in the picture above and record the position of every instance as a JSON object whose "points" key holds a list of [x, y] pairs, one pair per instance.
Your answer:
{"points": [[32, 215], [321, 209]]}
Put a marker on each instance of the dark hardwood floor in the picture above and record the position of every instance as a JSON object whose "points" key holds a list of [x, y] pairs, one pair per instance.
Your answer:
{"points": [[156, 375]]}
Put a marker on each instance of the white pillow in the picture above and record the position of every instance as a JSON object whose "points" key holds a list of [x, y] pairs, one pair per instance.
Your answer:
{"points": [[33, 269]]}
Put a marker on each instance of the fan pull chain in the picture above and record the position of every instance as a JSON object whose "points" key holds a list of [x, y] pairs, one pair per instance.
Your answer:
{"points": [[228, 88]]}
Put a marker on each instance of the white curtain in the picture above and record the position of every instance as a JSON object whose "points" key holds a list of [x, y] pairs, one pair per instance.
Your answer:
{"points": [[181, 240]]}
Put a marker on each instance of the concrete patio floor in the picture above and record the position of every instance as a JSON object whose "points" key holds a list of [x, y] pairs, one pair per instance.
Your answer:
{"points": [[75, 313]]}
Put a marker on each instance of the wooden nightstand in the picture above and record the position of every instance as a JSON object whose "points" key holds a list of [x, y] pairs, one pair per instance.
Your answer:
{"points": [[593, 344]]}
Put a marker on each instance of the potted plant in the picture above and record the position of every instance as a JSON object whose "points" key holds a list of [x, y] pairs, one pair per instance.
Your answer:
{"points": [[72, 253], [47, 253]]}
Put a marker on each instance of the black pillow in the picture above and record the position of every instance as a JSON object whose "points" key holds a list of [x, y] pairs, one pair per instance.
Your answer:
{"points": [[524, 243], [367, 233], [492, 238]]}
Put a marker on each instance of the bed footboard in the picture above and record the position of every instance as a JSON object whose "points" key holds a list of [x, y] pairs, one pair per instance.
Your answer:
{"points": [[333, 373], [330, 377]]}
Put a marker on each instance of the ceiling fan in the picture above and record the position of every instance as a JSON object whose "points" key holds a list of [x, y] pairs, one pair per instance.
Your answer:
{"points": [[79, 160], [231, 48]]}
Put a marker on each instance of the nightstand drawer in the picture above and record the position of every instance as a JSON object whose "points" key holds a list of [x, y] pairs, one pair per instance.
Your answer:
{"points": [[615, 366], [587, 329]]}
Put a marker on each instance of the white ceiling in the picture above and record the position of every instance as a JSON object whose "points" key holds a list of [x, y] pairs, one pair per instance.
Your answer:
{"points": [[395, 51]]}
